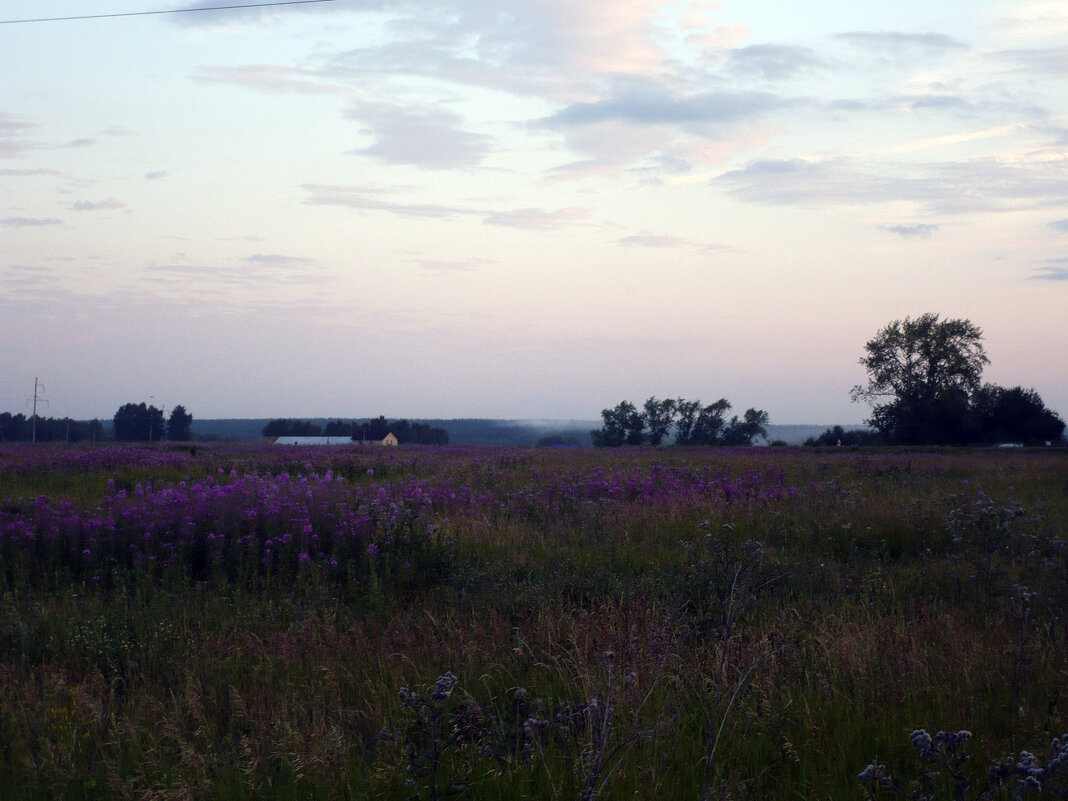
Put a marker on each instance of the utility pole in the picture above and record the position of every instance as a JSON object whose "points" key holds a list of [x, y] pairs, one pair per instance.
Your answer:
{"points": [[37, 389]]}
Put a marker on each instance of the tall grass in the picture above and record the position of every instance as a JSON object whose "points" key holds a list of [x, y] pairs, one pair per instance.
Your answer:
{"points": [[235, 622]]}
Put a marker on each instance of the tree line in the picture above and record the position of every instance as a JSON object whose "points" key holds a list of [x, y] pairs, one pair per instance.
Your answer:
{"points": [[924, 385], [20, 428], [685, 422], [406, 432], [133, 422]]}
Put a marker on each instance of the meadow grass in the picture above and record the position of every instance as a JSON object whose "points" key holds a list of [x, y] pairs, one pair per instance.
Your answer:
{"points": [[238, 622]]}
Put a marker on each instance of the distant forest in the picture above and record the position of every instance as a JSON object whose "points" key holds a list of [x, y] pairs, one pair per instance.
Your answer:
{"points": [[461, 431], [20, 428]]}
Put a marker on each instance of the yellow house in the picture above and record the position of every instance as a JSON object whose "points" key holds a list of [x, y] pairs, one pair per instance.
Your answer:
{"points": [[388, 441]]}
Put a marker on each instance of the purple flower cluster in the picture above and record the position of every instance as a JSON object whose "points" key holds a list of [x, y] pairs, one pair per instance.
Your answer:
{"points": [[244, 513], [229, 523], [946, 750]]}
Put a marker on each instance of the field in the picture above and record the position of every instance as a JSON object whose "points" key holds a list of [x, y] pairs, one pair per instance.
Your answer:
{"points": [[236, 622]]}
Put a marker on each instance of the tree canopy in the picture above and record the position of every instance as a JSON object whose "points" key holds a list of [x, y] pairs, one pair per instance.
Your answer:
{"points": [[136, 422], [180, 425], [692, 422], [20, 428], [925, 387], [1014, 415]]}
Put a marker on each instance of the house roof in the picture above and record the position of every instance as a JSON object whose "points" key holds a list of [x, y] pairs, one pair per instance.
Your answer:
{"points": [[313, 441]]}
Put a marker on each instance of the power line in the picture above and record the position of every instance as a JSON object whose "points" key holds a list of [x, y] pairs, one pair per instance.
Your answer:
{"points": [[165, 11]]}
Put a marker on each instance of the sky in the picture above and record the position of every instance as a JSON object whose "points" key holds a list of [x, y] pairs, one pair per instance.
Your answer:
{"points": [[516, 209]]}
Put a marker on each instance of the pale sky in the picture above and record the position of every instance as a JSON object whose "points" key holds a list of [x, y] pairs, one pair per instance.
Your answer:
{"points": [[520, 208]]}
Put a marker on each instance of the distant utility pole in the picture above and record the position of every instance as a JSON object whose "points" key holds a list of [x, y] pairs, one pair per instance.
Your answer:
{"points": [[37, 390]]}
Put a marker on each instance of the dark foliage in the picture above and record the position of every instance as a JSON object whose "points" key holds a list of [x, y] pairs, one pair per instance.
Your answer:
{"points": [[180, 425], [136, 422], [283, 427], [924, 383], [693, 424], [839, 436], [19, 428]]}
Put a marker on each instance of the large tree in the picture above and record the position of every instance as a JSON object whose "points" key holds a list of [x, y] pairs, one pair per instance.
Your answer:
{"points": [[180, 425], [659, 417], [743, 432], [687, 413], [711, 421], [921, 376], [623, 425]]}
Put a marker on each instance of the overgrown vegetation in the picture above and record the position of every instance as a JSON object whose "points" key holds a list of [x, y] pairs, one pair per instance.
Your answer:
{"points": [[541, 623]]}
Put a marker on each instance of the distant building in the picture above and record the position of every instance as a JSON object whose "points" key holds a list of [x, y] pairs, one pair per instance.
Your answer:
{"points": [[389, 441], [313, 441]]}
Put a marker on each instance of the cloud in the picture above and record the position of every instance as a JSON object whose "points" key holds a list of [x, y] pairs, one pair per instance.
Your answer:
{"points": [[12, 127], [10, 124], [621, 80], [156, 175], [258, 269], [599, 66], [428, 138], [798, 181], [83, 142], [25, 283], [1034, 20], [364, 198], [101, 205], [1052, 61], [773, 62], [916, 231], [666, 242], [944, 102], [432, 138], [1055, 270], [272, 79], [28, 173], [452, 266], [277, 260], [551, 48], [207, 14], [375, 199], [944, 188], [554, 49], [29, 222], [536, 219], [649, 104], [652, 241], [902, 44], [1059, 225]]}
